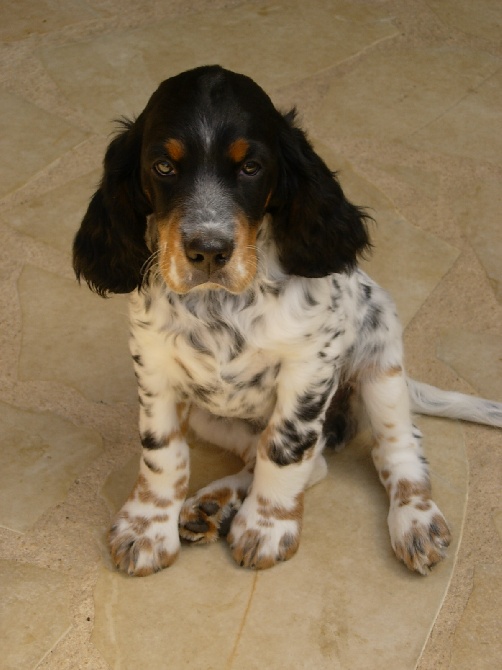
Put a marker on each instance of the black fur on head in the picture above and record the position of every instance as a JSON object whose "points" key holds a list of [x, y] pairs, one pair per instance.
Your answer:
{"points": [[317, 230], [109, 249]]}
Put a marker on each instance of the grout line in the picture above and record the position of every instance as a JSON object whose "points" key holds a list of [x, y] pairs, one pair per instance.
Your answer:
{"points": [[453, 572], [49, 651], [470, 90], [233, 653]]}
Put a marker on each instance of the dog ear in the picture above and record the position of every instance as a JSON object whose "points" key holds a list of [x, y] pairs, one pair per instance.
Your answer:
{"points": [[316, 229], [109, 249]]}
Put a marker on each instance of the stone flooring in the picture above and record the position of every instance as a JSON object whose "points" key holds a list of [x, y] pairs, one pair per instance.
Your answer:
{"points": [[404, 99]]}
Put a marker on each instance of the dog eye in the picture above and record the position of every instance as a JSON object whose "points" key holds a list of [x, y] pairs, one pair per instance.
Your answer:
{"points": [[164, 168], [250, 168]]}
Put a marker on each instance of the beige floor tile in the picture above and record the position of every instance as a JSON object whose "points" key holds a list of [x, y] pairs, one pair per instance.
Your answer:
{"points": [[188, 616], [34, 613], [54, 217], [21, 19], [477, 642], [41, 456], [30, 139], [497, 519], [401, 90], [476, 357], [115, 75], [476, 119], [414, 187], [482, 18], [342, 599], [477, 211], [119, 483], [76, 339], [406, 261]]}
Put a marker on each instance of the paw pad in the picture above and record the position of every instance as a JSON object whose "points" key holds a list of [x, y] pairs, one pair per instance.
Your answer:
{"points": [[204, 520]]}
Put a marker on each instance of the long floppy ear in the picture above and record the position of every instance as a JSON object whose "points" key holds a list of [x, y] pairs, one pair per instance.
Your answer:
{"points": [[109, 249], [316, 229]]}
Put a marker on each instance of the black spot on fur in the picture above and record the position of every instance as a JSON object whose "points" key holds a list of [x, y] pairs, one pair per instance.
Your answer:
{"points": [[144, 391], [373, 318], [293, 445], [237, 344], [310, 406], [309, 298], [203, 393], [151, 466], [340, 424], [257, 379], [197, 343], [149, 441]]}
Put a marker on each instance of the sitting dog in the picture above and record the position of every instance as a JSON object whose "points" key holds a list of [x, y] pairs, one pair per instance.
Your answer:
{"points": [[252, 325]]}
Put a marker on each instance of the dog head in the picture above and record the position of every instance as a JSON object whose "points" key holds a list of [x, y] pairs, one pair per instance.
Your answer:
{"points": [[203, 164]]}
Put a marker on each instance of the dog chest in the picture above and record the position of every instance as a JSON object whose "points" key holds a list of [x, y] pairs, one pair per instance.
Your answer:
{"points": [[228, 353]]}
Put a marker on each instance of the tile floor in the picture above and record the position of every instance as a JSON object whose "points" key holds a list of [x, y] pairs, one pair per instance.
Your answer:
{"points": [[404, 98]]}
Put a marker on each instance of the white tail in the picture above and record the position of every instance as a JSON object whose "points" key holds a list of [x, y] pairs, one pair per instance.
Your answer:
{"points": [[430, 400]]}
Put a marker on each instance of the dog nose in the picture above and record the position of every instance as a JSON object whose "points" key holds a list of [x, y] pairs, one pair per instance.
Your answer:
{"points": [[209, 254]]}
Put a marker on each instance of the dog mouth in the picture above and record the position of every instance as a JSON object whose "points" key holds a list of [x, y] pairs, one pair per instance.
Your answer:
{"points": [[206, 261], [200, 279], [231, 279]]}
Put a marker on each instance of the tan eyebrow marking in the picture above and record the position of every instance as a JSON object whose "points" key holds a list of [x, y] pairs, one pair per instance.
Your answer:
{"points": [[238, 150], [175, 149]]}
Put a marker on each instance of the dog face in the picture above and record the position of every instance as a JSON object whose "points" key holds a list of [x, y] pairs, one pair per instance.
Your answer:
{"points": [[204, 163], [209, 183]]}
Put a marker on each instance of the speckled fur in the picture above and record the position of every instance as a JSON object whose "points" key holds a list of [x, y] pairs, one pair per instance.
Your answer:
{"points": [[248, 313]]}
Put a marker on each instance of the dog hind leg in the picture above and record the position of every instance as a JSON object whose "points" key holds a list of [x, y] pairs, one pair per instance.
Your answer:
{"points": [[418, 531]]}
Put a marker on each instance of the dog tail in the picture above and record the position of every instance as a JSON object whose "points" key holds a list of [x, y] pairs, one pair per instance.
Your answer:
{"points": [[430, 400]]}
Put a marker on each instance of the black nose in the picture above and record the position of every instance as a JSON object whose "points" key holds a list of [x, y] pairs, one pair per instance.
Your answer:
{"points": [[209, 254]]}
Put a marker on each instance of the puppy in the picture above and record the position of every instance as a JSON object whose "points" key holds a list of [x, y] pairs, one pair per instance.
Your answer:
{"points": [[252, 325]]}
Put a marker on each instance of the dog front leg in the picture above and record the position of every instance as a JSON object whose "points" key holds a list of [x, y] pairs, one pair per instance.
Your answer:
{"points": [[268, 525], [144, 536]]}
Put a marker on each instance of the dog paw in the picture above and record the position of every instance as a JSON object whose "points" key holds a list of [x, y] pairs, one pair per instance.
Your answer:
{"points": [[419, 534], [262, 534], [142, 543], [207, 516]]}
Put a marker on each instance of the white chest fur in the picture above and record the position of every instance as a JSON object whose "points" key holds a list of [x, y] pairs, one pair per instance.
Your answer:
{"points": [[226, 353]]}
